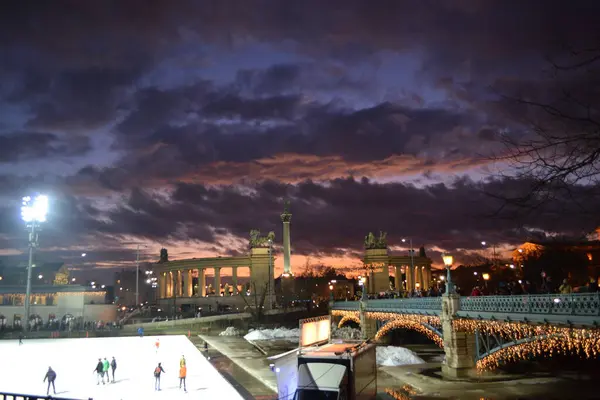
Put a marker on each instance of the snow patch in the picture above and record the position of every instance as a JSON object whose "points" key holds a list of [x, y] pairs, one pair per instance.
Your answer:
{"points": [[345, 333], [231, 331], [392, 356], [270, 334]]}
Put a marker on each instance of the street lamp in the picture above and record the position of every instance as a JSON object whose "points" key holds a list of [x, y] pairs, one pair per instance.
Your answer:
{"points": [[412, 260], [33, 212], [484, 243], [448, 260]]}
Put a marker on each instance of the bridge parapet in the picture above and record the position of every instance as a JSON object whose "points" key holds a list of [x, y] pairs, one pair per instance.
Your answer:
{"points": [[421, 305], [576, 308]]}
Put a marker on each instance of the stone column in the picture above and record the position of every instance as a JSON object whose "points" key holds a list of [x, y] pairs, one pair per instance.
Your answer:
{"points": [[201, 282], [398, 279], [368, 327], [169, 279], [217, 284], [179, 284], [459, 346], [371, 282], [409, 279], [161, 285], [189, 286], [234, 278], [286, 218]]}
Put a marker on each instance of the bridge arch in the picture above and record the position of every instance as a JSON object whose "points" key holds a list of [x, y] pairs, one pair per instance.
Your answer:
{"points": [[425, 329], [348, 318], [546, 346]]}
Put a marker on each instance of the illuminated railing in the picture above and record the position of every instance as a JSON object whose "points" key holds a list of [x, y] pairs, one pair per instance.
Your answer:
{"points": [[578, 304], [423, 305], [576, 308]]}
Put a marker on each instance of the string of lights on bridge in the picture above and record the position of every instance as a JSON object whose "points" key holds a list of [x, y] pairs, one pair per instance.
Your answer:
{"points": [[545, 340]]}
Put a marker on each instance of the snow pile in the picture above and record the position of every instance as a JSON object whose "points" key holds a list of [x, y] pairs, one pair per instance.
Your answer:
{"points": [[392, 356], [270, 334], [231, 331], [441, 358], [345, 333]]}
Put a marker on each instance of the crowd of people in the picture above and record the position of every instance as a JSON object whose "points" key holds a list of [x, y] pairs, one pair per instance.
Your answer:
{"points": [[547, 286], [105, 370]]}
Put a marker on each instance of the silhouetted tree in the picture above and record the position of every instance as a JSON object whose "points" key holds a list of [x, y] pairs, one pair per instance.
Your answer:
{"points": [[557, 157]]}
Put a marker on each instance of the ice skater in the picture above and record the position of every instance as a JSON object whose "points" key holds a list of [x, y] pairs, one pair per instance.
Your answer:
{"points": [[157, 344], [206, 349], [20, 338], [182, 361], [51, 377], [182, 375], [105, 368], [157, 371], [141, 332], [98, 370], [113, 366]]}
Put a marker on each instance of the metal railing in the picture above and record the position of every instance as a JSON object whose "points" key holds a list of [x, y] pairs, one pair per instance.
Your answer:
{"points": [[15, 396], [579, 304], [579, 308]]}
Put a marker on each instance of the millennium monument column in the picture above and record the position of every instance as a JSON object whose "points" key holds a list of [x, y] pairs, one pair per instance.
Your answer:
{"points": [[287, 279], [286, 218]]}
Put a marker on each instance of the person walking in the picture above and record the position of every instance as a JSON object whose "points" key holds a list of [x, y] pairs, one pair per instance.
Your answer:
{"points": [[51, 377], [98, 370], [113, 366], [157, 371], [105, 368], [182, 375]]}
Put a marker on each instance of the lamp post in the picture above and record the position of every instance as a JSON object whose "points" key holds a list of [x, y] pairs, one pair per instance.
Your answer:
{"points": [[448, 260], [33, 212], [412, 262], [484, 243]]}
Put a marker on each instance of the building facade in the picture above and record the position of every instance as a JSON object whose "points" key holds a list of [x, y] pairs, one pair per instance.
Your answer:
{"points": [[55, 302]]}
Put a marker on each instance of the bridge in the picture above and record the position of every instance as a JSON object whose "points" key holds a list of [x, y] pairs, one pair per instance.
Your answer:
{"points": [[487, 331]]}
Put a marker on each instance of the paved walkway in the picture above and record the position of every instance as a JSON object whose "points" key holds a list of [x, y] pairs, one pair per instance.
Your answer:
{"points": [[246, 356]]}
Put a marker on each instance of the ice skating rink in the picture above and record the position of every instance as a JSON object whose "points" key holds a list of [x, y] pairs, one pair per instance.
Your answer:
{"points": [[22, 368]]}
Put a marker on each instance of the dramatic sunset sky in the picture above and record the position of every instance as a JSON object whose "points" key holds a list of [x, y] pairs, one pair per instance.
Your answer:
{"points": [[185, 124]]}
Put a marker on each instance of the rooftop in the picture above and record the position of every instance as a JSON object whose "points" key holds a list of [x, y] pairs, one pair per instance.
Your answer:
{"points": [[20, 289]]}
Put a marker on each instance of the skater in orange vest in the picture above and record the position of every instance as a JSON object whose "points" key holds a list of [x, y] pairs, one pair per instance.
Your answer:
{"points": [[157, 344], [182, 375]]}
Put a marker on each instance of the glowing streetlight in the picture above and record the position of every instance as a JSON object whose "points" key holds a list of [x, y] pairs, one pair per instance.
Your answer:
{"points": [[103, 286], [448, 260], [72, 279], [475, 273], [83, 254], [33, 213], [486, 277]]}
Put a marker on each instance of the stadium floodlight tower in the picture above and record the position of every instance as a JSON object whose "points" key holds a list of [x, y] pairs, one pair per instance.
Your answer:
{"points": [[33, 212]]}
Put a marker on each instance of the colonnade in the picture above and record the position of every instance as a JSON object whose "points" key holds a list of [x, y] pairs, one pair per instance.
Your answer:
{"points": [[418, 276], [179, 283]]}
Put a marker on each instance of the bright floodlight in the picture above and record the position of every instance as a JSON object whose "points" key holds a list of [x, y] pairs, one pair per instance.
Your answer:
{"points": [[483, 243], [448, 259], [83, 254], [34, 209]]}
